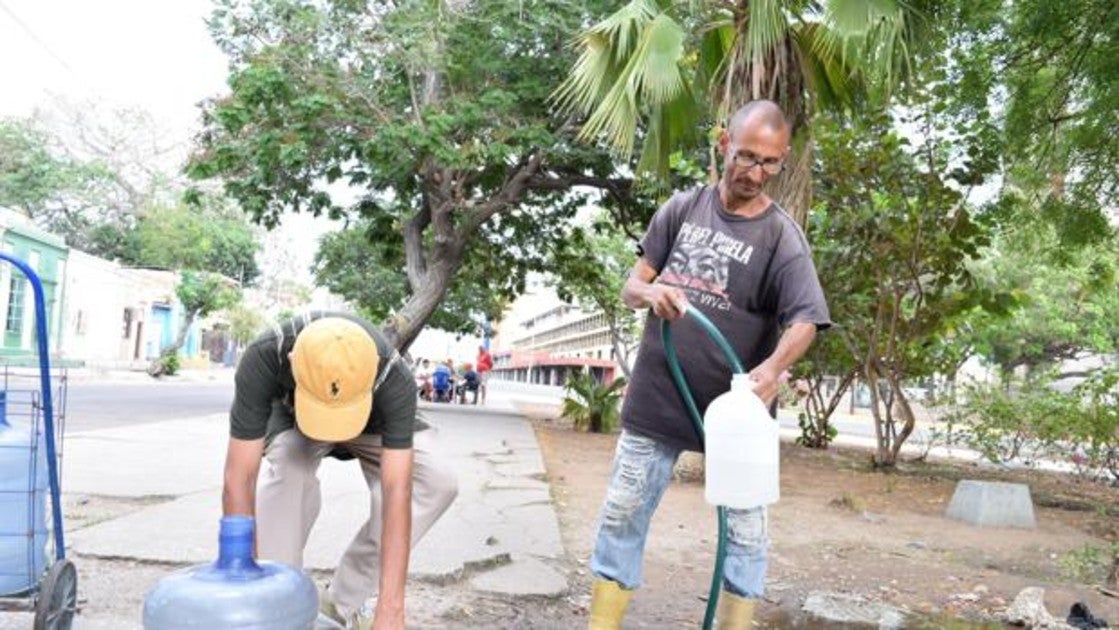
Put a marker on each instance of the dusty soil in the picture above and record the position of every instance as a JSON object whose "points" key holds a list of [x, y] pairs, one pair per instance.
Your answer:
{"points": [[841, 526]]}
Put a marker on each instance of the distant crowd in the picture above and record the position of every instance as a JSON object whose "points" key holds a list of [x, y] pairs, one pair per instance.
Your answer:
{"points": [[444, 381]]}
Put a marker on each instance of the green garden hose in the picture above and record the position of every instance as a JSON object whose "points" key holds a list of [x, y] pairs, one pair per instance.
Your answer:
{"points": [[697, 422]]}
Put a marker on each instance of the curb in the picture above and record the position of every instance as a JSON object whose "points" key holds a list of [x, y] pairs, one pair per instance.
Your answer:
{"points": [[470, 410]]}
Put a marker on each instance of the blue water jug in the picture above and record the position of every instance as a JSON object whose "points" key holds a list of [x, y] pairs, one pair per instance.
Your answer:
{"points": [[23, 491], [233, 592]]}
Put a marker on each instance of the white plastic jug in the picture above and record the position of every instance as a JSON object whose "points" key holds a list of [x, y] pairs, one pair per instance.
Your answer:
{"points": [[743, 449]]}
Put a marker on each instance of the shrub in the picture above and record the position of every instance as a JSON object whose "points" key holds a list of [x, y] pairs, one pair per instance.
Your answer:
{"points": [[592, 406]]}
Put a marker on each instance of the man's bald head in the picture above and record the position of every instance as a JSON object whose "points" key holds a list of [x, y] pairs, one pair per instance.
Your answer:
{"points": [[760, 112]]}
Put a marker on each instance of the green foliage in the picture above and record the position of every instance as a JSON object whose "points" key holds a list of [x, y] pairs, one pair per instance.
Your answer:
{"points": [[244, 322], [591, 269], [828, 361], [169, 362], [367, 271], [1064, 299], [654, 72], [592, 406], [202, 293], [207, 238], [81, 201], [1088, 564], [815, 430], [30, 176], [63, 195], [1042, 78], [1033, 421], [434, 115], [891, 241]]}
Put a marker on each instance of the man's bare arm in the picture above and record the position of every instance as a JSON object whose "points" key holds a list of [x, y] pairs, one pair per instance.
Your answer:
{"points": [[396, 535], [242, 463]]}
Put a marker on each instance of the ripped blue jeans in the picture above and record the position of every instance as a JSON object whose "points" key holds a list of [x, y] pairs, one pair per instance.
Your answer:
{"points": [[642, 472]]}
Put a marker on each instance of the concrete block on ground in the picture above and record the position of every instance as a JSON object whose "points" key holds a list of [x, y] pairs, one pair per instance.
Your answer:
{"points": [[842, 608], [992, 504], [525, 575]]}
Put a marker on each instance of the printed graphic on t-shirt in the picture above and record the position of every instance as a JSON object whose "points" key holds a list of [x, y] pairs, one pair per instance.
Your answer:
{"points": [[700, 264]]}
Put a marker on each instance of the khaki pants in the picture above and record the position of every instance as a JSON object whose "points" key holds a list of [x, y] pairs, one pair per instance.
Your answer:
{"points": [[288, 502]]}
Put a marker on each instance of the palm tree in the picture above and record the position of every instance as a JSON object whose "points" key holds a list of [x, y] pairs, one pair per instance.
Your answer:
{"points": [[592, 406], [646, 72]]}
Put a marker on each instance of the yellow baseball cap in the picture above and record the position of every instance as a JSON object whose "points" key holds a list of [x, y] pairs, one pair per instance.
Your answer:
{"points": [[334, 363]]}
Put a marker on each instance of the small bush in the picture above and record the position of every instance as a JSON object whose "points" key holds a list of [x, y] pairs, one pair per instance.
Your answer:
{"points": [[1087, 564], [592, 406], [1034, 422], [170, 363]]}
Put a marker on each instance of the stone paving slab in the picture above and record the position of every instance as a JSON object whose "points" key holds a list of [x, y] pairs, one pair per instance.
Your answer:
{"points": [[503, 510], [525, 575]]}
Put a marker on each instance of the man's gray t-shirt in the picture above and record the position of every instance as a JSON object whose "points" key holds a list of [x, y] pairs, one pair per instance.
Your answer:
{"points": [[750, 276], [263, 405]]}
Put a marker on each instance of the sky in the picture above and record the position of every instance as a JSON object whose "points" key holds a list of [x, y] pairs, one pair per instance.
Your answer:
{"points": [[156, 55], [152, 54]]}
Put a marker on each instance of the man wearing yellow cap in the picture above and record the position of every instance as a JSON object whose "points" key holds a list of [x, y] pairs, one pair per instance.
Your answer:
{"points": [[330, 383]]}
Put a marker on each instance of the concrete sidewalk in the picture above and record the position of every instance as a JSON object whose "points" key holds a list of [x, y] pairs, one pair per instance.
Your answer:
{"points": [[501, 536]]}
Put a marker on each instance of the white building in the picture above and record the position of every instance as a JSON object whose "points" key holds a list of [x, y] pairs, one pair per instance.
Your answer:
{"points": [[541, 339]]}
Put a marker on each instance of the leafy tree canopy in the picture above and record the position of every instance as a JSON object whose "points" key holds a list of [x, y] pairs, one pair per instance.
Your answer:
{"points": [[209, 238], [434, 115], [1065, 299]]}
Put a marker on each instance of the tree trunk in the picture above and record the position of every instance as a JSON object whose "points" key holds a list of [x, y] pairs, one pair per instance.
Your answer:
{"points": [[819, 412], [156, 366], [906, 413], [596, 422], [793, 188], [621, 354], [180, 340], [403, 327], [882, 454]]}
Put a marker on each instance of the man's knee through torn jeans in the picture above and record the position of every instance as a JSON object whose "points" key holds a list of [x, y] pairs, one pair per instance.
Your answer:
{"points": [[642, 471]]}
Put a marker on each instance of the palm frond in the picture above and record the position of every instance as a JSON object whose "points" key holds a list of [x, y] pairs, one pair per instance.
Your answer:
{"points": [[624, 26], [670, 127], [830, 75], [657, 73], [715, 47], [590, 78], [616, 90], [766, 26], [880, 34], [857, 17], [631, 55]]}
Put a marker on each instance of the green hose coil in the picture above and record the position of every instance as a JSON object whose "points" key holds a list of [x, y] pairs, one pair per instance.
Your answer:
{"points": [[697, 422]]}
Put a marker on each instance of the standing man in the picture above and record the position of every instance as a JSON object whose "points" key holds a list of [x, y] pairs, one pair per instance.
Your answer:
{"points": [[332, 384], [730, 251], [484, 365]]}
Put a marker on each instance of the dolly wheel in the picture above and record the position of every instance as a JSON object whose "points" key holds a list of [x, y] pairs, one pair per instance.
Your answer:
{"points": [[58, 597]]}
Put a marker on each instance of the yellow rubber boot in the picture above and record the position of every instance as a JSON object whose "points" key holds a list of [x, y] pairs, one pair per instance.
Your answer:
{"points": [[734, 612], [608, 605]]}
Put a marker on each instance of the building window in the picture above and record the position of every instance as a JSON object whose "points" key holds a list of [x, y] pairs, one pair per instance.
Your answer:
{"points": [[127, 323], [16, 289]]}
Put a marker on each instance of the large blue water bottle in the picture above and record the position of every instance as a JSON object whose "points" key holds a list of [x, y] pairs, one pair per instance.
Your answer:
{"points": [[235, 592], [23, 491]]}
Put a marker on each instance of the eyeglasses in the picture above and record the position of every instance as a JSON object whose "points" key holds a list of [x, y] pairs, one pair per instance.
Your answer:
{"points": [[747, 161]]}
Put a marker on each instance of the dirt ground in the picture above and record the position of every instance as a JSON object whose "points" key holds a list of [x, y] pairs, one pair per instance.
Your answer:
{"points": [[842, 527], [839, 527]]}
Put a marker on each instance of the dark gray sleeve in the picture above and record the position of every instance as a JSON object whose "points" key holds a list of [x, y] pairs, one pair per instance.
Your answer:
{"points": [[657, 243], [394, 403], [255, 387], [800, 298]]}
